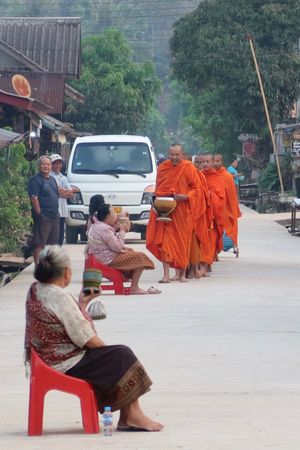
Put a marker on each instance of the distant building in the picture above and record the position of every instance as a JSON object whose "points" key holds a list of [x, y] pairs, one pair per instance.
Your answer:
{"points": [[38, 55]]}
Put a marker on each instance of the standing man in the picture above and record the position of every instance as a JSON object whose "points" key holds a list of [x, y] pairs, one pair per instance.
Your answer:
{"points": [[217, 194], [65, 191], [231, 201], [170, 242], [43, 193], [203, 227]]}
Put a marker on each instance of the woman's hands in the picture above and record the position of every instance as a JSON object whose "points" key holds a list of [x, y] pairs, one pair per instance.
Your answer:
{"points": [[85, 299], [125, 226]]}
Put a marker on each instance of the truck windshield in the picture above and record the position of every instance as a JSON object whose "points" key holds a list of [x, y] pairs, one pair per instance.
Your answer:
{"points": [[112, 158]]}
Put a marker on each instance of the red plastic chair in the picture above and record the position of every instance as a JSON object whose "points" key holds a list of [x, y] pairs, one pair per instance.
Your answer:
{"points": [[43, 379], [115, 276]]}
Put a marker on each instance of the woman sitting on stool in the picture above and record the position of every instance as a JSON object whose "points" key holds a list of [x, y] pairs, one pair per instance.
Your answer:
{"points": [[108, 247], [61, 332]]}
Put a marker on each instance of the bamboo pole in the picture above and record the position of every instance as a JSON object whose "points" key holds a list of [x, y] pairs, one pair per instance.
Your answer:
{"points": [[249, 37]]}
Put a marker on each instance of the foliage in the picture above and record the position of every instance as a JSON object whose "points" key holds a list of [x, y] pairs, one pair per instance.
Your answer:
{"points": [[119, 93], [154, 127], [177, 119], [212, 57], [14, 203], [269, 180]]}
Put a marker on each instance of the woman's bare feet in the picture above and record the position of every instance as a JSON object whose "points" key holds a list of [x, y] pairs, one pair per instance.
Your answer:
{"points": [[137, 291], [139, 422]]}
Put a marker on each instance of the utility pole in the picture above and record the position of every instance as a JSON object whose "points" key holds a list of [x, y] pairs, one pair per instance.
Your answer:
{"points": [[250, 40]]}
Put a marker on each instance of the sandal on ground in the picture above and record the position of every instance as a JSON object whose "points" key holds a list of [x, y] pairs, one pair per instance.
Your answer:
{"points": [[128, 428], [164, 281], [153, 290]]}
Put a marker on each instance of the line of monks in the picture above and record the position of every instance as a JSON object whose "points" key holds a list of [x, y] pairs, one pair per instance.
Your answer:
{"points": [[207, 206]]}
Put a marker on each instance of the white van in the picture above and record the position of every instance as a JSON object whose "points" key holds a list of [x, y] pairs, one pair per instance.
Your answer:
{"points": [[121, 168]]}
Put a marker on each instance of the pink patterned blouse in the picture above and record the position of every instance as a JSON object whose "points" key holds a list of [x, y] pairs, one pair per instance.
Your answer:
{"points": [[104, 243]]}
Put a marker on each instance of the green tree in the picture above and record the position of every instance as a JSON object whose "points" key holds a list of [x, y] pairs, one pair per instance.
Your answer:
{"points": [[119, 93], [14, 202], [211, 56], [154, 126]]}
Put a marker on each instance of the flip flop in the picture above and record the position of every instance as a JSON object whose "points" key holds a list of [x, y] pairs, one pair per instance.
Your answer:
{"points": [[125, 428], [153, 290], [164, 281]]}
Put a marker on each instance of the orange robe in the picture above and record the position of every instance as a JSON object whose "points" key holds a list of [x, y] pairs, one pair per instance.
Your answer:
{"points": [[217, 193], [171, 241], [231, 204], [200, 245]]}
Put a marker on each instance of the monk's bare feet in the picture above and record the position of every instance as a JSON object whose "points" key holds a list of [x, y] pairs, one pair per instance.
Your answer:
{"points": [[199, 274], [191, 275], [176, 278], [183, 279], [164, 280]]}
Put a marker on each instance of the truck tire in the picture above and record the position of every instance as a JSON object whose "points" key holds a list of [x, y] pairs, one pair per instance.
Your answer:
{"points": [[71, 235], [143, 235]]}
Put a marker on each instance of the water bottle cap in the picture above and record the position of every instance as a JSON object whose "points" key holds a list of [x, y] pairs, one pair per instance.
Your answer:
{"points": [[107, 408]]}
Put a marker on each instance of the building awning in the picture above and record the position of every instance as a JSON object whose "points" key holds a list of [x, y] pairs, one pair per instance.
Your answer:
{"points": [[74, 94], [50, 122], [25, 103], [9, 137]]}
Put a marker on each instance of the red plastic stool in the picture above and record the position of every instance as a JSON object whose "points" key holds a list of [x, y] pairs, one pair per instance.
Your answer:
{"points": [[115, 276], [43, 379]]}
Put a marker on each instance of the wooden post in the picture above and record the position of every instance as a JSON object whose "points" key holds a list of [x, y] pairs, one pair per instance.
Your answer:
{"points": [[249, 37]]}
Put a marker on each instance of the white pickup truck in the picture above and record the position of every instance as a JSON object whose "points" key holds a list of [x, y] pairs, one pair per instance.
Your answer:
{"points": [[120, 167]]}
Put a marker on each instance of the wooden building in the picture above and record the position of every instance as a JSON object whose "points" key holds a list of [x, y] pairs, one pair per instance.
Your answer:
{"points": [[37, 58]]}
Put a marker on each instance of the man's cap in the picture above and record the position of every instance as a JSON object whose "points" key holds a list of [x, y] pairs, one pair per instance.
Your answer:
{"points": [[55, 157]]}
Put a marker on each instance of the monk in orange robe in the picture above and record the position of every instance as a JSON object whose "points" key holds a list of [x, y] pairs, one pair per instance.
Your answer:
{"points": [[202, 227], [217, 193], [199, 253], [231, 201], [170, 241]]}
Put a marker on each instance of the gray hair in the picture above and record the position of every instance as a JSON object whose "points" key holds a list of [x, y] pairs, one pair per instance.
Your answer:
{"points": [[41, 159], [52, 262]]}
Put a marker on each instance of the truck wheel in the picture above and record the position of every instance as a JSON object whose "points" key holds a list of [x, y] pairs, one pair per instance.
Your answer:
{"points": [[143, 235], [71, 235]]}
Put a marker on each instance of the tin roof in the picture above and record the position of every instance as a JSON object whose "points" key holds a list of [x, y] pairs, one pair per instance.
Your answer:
{"points": [[51, 42], [9, 137]]}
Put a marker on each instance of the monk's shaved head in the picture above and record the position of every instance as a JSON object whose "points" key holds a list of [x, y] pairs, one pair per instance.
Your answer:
{"points": [[208, 161], [198, 161], [218, 161], [176, 154]]}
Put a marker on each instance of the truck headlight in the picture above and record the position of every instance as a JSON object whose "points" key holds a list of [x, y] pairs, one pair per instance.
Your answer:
{"points": [[76, 199], [147, 194]]}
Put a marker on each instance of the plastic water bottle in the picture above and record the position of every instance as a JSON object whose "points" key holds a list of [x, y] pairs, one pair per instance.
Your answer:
{"points": [[107, 419]]}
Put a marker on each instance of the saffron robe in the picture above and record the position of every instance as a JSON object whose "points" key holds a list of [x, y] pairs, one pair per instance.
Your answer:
{"points": [[217, 192], [170, 241], [231, 204], [200, 246]]}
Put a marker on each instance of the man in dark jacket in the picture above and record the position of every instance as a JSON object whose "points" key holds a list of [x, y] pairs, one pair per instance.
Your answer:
{"points": [[43, 192]]}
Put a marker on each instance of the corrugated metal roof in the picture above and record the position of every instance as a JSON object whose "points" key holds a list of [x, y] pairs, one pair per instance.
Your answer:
{"points": [[51, 42], [7, 137]]}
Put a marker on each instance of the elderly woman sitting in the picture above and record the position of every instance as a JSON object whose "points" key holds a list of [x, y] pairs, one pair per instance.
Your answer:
{"points": [[108, 247], [61, 332]]}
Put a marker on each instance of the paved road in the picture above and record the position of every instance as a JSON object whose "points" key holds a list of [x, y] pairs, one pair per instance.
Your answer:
{"points": [[223, 352]]}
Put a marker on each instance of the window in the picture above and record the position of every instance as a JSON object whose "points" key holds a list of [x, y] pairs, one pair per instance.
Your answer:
{"points": [[98, 157]]}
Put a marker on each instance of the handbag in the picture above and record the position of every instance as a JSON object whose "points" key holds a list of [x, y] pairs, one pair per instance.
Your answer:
{"points": [[96, 310]]}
